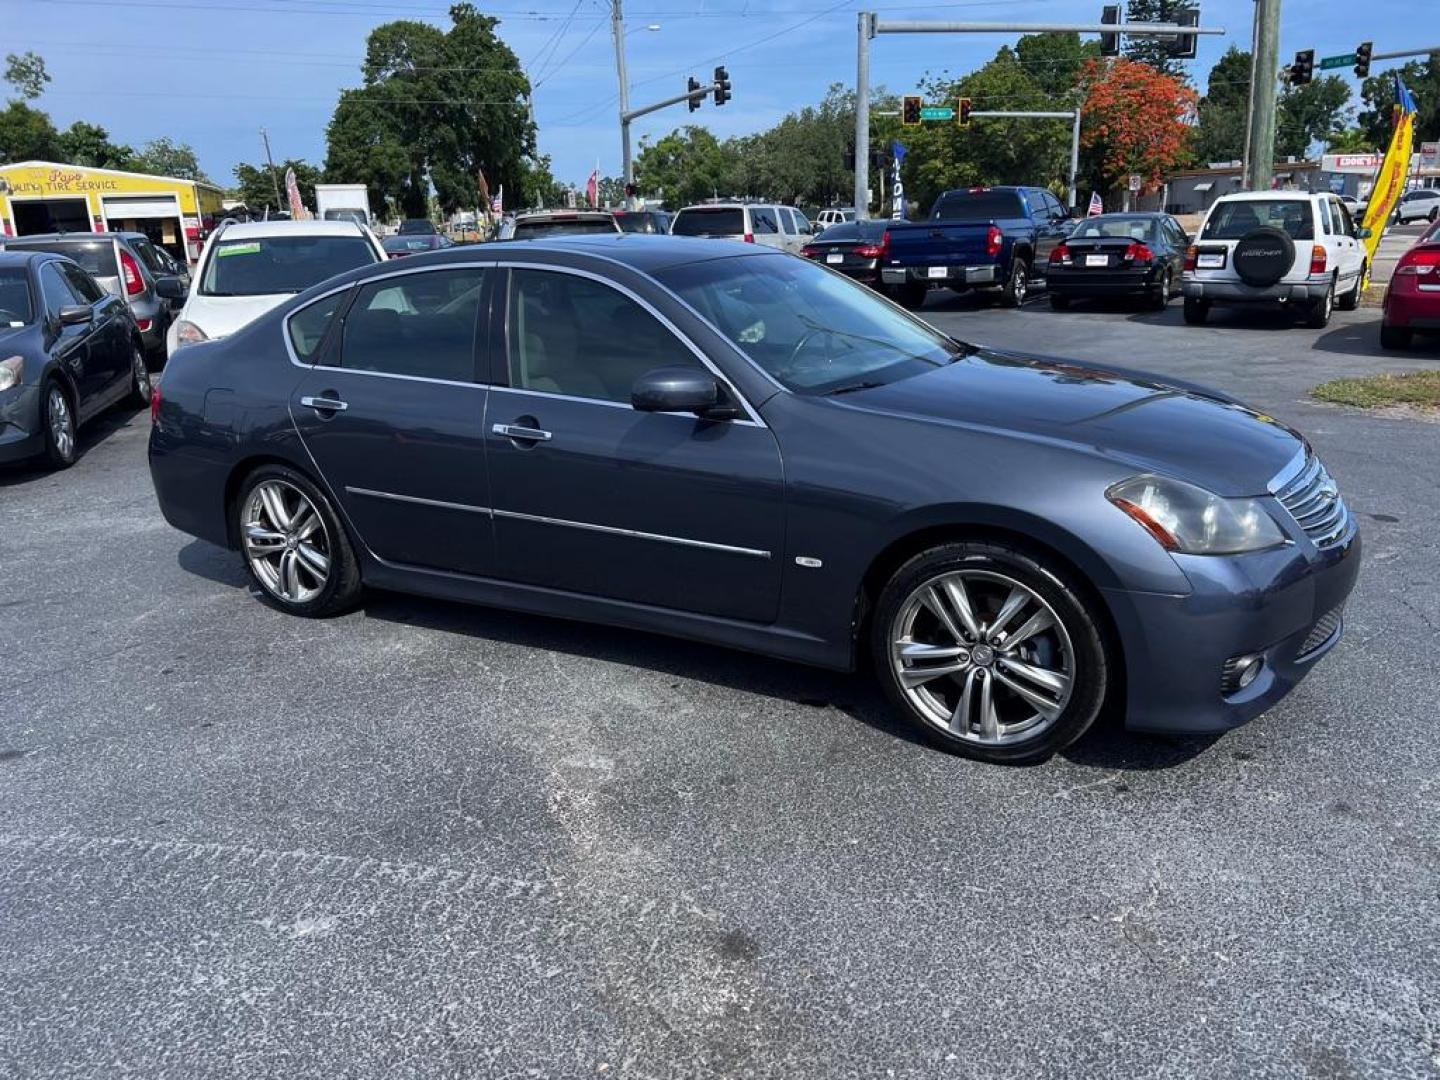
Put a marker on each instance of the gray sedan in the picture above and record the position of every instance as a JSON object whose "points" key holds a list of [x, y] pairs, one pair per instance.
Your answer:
{"points": [[726, 443]]}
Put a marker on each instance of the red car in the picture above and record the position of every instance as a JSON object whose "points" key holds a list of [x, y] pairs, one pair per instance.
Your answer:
{"points": [[1412, 302]]}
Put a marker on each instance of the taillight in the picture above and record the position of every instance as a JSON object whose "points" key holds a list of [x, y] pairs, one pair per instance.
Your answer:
{"points": [[144, 324], [155, 404], [809, 252], [994, 240], [749, 238], [1191, 254], [1317, 259], [1060, 255], [875, 251], [1138, 252], [1419, 261], [134, 283]]}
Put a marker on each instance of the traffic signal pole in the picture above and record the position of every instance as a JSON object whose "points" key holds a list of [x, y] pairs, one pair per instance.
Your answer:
{"points": [[869, 25]]}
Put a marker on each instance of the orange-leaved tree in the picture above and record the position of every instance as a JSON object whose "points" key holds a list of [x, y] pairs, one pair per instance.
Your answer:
{"points": [[1134, 119]]}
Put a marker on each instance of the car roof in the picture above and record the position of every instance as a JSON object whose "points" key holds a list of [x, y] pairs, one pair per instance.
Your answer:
{"points": [[526, 214], [255, 230], [25, 258], [78, 237], [1268, 196], [1128, 214]]}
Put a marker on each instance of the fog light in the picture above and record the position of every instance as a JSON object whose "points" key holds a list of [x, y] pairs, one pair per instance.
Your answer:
{"points": [[1240, 671], [1250, 671]]}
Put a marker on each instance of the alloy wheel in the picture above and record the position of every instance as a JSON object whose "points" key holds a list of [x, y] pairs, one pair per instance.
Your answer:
{"points": [[286, 542], [982, 657], [141, 375], [62, 423]]}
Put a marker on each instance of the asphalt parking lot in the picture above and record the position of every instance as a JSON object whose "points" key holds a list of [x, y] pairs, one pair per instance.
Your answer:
{"points": [[426, 840]]}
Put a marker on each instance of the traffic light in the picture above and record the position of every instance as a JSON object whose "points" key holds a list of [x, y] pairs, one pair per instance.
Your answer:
{"points": [[1186, 45], [910, 110], [1110, 43], [1303, 69], [694, 102], [1362, 58], [962, 114], [722, 86]]}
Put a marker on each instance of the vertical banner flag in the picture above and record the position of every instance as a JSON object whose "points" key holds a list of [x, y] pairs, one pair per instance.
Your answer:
{"points": [[592, 187], [497, 204], [292, 192], [1390, 181], [1097, 205], [897, 187]]}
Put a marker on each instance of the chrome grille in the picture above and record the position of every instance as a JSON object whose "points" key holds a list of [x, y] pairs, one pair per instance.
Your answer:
{"points": [[1314, 502], [1323, 631]]}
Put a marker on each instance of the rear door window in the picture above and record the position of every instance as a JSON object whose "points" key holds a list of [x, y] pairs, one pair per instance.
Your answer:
{"points": [[308, 325], [762, 221], [710, 221], [421, 325]]}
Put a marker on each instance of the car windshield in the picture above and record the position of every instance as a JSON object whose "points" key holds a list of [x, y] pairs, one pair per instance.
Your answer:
{"points": [[14, 297], [814, 331], [977, 206], [530, 230], [640, 223], [96, 256], [409, 243], [1233, 220], [719, 221], [1115, 228], [416, 225], [281, 264]]}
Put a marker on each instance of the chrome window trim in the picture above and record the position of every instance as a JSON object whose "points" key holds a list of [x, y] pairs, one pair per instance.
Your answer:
{"points": [[625, 290]]}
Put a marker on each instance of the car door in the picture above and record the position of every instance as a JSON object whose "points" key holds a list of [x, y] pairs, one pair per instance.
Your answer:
{"points": [[1179, 241], [393, 413], [69, 346], [1355, 247], [1050, 229], [592, 496], [111, 345]]}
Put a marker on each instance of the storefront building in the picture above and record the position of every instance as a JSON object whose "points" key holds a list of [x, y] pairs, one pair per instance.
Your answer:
{"points": [[42, 197]]}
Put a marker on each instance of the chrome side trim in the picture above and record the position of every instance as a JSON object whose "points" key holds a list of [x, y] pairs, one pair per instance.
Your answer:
{"points": [[635, 534], [371, 493]]}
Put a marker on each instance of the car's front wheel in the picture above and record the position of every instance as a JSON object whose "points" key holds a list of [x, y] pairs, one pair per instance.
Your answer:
{"points": [[990, 651], [57, 419], [1351, 300], [294, 545]]}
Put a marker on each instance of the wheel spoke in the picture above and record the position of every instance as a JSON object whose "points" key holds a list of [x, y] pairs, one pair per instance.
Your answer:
{"points": [[289, 579], [1041, 620], [311, 558], [931, 599], [919, 650], [1038, 701], [954, 587], [306, 522], [989, 720], [263, 541], [274, 502], [960, 718], [1056, 682], [919, 676], [1013, 605]]}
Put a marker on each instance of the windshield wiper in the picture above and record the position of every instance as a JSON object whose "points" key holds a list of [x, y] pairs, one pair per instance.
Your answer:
{"points": [[850, 388]]}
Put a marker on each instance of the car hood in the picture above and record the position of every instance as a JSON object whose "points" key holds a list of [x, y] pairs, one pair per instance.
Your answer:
{"points": [[221, 316], [1140, 420]]}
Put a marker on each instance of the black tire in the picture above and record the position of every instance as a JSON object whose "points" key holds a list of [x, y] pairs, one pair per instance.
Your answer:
{"points": [[912, 295], [1434, 213], [1017, 284], [1059, 303], [1317, 315], [1395, 337], [1090, 668], [1159, 297], [1196, 311], [343, 585], [140, 385], [1351, 300], [59, 452]]}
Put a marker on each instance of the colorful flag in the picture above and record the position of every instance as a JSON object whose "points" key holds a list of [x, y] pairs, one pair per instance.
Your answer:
{"points": [[1390, 180], [497, 204], [292, 192], [592, 187], [483, 185], [1097, 205], [897, 188]]}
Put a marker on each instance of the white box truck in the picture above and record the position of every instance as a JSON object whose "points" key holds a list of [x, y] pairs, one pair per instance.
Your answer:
{"points": [[342, 202]]}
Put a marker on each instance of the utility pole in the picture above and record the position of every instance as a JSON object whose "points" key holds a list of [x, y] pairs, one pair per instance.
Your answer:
{"points": [[862, 117], [273, 179], [617, 28], [1264, 71]]}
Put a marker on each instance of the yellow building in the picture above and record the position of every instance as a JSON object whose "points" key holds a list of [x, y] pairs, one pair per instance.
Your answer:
{"points": [[41, 196]]}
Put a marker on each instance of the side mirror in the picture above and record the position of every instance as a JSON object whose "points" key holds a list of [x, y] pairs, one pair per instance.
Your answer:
{"points": [[76, 315], [679, 389], [170, 287], [1364, 233]]}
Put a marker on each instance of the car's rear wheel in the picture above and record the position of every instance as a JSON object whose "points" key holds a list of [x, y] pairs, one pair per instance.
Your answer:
{"points": [[1318, 315], [1016, 285], [990, 651], [1395, 337], [1196, 311], [57, 420], [1160, 295], [140, 385], [1058, 302], [294, 545]]}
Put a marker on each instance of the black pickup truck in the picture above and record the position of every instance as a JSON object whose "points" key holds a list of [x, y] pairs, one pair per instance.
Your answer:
{"points": [[976, 238]]}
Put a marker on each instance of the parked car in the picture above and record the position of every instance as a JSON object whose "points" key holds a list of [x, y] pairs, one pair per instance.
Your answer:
{"points": [[1118, 255], [247, 269], [992, 238], [1412, 299], [854, 248], [126, 264], [417, 227], [540, 223], [722, 442], [1299, 250], [398, 246], [767, 224], [1420, 204], [830, 217], [656, 222], [70, 351]]}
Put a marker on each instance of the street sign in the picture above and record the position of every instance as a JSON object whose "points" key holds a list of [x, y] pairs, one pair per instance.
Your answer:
{"points": [[1429, 155], [937, 112], [1135, 182], [1343, 60]]}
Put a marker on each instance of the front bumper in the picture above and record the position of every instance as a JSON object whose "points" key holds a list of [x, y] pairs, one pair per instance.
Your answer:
{"points": [[21, 436], [1266, 603], [1237, 292], [950, 276]]}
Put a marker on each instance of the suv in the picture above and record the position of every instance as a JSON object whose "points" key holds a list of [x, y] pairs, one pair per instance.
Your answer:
{"points": [[1299, 250], [249, 268], [562, 223], [833, 217], [126, 264], [755, 223], [1421, 204]]}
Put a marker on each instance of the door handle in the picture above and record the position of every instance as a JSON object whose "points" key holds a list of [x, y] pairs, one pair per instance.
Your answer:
{"points": [[324, 404], [518, 431]]}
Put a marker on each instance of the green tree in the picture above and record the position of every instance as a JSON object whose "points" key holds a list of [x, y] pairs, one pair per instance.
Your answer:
{"points": [[27, 134], [1054, 61], [1422, 79], [1353, 140], [26, 73], [1308, 114], [1219, 135], [1153, 50], [685, 166], [89, 144], [165, 157], [255, 189]]}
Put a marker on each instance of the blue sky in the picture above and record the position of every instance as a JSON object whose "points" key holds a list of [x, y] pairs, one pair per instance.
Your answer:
{"points": [[213, 72]]}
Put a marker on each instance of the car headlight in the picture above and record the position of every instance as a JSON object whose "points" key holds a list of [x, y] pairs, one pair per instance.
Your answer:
{"points": [[12, 371], [1189, 519], [187, 333]]}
